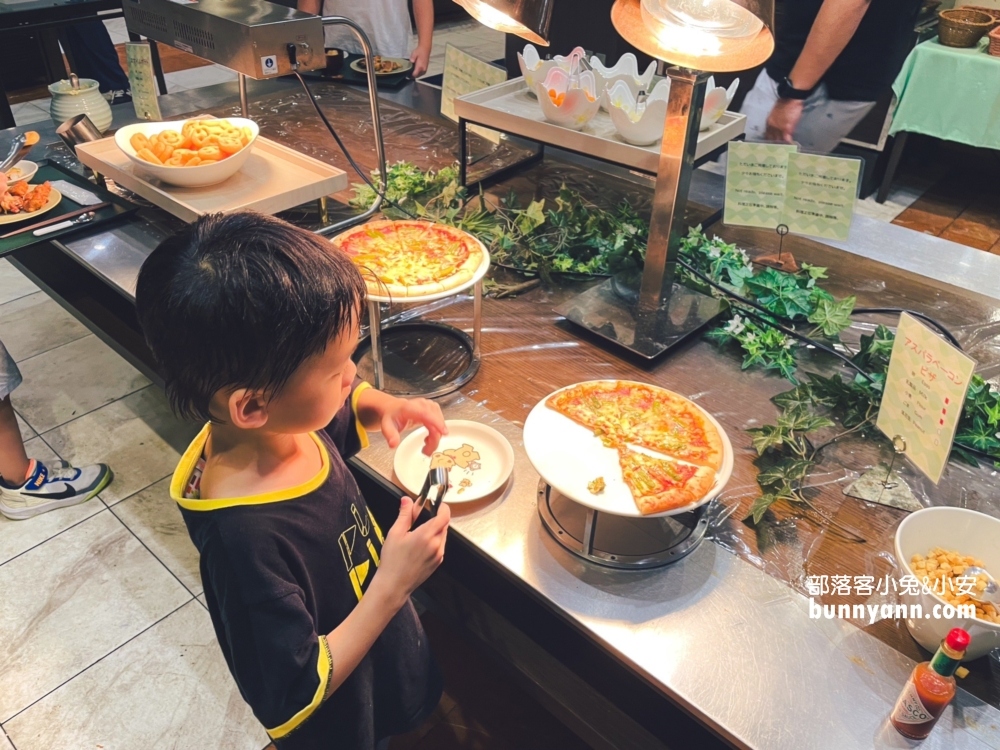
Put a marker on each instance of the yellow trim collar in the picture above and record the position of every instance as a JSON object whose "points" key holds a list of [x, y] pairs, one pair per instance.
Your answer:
{"points": [[194, 452], [324, 667], [362, 433]]}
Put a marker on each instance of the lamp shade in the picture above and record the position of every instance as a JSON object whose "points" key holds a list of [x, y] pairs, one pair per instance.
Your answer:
{"points": [[528, 19], [712, 35]]}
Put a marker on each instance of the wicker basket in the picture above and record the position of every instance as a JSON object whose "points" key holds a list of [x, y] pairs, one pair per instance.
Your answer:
{"points": [[995, 12], [994, 48], [961, 27]]}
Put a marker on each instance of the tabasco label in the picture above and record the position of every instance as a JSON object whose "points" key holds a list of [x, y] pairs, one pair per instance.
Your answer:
{"points": [[909, 708]]}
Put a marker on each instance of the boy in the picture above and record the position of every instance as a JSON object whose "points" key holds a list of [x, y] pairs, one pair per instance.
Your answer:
{"points": [[253, 323]]}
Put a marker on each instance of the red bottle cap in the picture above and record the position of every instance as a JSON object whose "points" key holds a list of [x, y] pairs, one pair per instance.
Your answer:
{"points": [[957, 639]]}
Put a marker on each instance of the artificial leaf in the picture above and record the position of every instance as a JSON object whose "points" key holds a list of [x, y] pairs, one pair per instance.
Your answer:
{"points": [[800, 396], [760, 506], [768, 436], [814, 272], [832, 316]]}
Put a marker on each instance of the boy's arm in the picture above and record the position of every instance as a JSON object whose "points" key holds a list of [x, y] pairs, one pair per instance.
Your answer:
{"points": [[408, 559], [377, 411], [309, 6]]}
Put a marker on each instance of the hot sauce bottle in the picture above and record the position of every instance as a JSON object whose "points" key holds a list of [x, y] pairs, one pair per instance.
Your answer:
{"points": [[930, 688]]}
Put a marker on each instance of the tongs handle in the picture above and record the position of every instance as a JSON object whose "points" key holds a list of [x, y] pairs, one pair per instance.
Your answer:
{"points": [[435, 478]]}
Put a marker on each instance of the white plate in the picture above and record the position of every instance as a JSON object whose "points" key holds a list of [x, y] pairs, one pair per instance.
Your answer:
{"points": [[568, 456], [23, 170], [483, 475], [405, 66]]}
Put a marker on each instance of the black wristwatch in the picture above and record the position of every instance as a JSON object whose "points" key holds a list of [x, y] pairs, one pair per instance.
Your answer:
{"points": [[787, 91]]}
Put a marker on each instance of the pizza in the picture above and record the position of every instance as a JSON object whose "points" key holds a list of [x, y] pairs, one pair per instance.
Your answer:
{"points": [[623, 414], [412, 258], [659, 484]]}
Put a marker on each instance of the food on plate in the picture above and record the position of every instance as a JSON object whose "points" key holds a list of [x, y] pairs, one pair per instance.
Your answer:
{"points": [[596, 486], [411, 258], [943, 572], [382, 64], [199, 142], [464, 485], [622, 414], [22, 196], [659, 484]]}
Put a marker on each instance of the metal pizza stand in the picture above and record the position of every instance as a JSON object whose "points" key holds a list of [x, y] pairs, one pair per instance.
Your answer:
{"points": [[409, 356], [607, 528]]}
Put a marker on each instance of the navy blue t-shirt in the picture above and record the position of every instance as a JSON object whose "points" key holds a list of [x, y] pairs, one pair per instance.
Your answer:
{"points": [[282, 569]]}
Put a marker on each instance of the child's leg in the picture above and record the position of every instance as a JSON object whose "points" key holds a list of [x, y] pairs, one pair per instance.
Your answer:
{"points": [[13, 459]]}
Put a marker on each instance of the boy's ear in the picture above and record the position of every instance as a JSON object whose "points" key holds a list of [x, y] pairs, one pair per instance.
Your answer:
{"points": [[247, 409]]}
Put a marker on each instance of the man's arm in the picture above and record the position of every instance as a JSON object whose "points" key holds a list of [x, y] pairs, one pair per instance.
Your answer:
{"points": [[309, 6], [833, 28], [423, 14]]}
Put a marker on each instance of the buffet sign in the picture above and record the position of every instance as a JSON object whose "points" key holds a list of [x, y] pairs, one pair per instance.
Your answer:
{"points": [[924, 393], [465, 74], [141, 80], [773, 184]]}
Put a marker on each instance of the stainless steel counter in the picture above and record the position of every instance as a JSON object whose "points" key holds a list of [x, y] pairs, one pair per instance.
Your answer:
{"points": [[733, 646]]}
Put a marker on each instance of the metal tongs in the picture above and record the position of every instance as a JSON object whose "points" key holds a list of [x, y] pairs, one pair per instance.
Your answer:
{"points": [[436, 477]]}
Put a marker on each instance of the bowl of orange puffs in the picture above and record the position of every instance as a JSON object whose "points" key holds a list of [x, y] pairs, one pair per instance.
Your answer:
{"points": [[198, 152]]}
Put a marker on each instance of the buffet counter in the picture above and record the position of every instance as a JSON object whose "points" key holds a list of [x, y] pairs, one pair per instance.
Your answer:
{"points": [[718, 648]]}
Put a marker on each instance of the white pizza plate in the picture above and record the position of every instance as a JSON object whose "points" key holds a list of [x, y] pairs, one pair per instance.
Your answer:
{"points": [[568, 456], [480, 272], [54, 197], [484, 476]]}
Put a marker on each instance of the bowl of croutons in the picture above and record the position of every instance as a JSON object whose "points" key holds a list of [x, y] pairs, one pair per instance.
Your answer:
{"points": [[939, 552], [198, 152]]}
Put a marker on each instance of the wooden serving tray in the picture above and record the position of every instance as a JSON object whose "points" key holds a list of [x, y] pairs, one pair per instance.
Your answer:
{"points": [[274, 178], [511, 108]]}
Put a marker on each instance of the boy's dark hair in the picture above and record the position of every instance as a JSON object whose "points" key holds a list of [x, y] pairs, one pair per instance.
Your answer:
{"points": [[240, 301]]}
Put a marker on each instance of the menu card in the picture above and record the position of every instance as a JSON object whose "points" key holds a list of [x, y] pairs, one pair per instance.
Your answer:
{"points": [[768, 184], [924, 395], [142, 81], [755, 183], [819, 195], [464, 74]]}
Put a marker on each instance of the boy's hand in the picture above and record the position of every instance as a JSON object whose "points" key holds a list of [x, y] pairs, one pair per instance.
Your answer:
{"points": [[403, 412], [409, 557]]}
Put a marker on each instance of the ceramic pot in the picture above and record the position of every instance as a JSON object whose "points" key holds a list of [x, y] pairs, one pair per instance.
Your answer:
{"points": [[83, 98], [717, 100]]}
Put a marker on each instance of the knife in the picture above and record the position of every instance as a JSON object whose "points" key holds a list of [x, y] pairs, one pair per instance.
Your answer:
{"points": [[40, 224]]}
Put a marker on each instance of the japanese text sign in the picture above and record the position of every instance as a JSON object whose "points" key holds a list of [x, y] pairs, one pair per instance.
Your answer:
{"points": [[924, 395]]}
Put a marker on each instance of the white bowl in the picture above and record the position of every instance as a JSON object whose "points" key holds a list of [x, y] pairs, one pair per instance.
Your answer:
{"points": [[627, 70], [717, 100], [580, 104], [960, 530], [23, 170], [200, 176], [535, 69], [639, 124]]}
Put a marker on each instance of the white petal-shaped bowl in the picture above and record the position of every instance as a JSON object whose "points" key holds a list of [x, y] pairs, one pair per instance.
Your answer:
{"points": [[717, 100], [627, 70], [640, 125], [580, 104], [535, 69]]}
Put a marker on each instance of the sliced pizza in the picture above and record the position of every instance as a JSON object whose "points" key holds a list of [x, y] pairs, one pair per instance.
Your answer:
{"points": [[662, 484], [412, 258]]}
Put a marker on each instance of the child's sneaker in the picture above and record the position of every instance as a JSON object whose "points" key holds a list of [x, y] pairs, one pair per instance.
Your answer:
{"points": [[54, 486]]}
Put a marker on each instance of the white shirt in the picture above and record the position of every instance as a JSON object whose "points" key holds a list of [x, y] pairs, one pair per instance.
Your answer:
{"points": [[386, 22]]}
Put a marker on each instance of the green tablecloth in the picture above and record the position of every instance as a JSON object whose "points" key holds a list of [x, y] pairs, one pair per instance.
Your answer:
{"points": [[949, 93]]}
